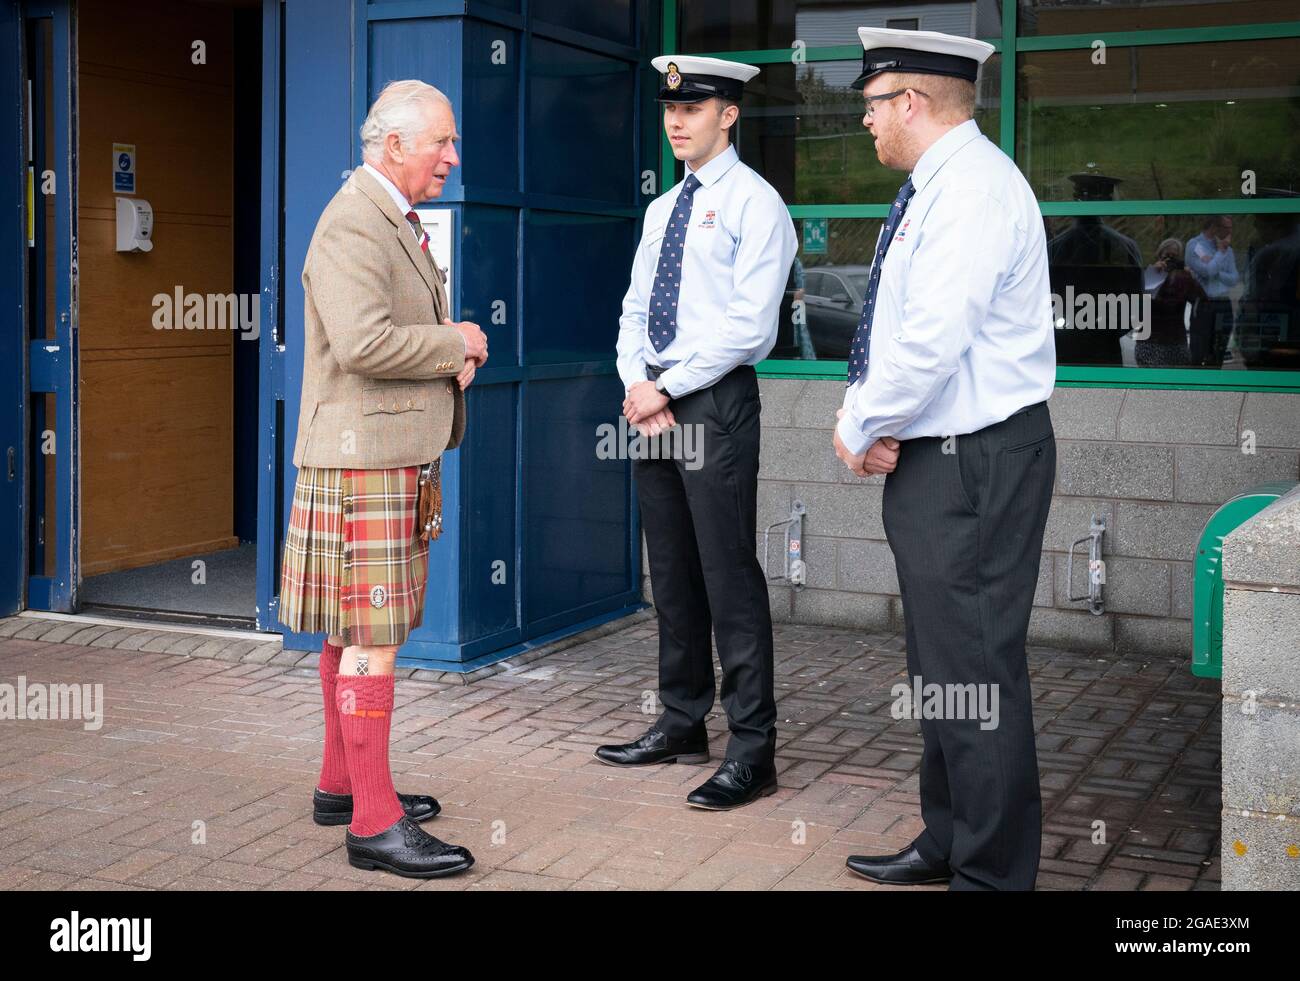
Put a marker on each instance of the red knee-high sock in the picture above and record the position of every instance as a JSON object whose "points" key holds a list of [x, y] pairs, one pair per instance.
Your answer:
{"points": [[333, 764], [365, 714]]}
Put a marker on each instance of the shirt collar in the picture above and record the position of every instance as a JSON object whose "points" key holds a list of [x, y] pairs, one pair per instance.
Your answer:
{"points": [[940, 150], [712, 172], [398, 199]]}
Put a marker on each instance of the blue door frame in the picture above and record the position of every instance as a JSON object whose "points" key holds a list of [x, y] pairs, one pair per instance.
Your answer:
{"points": [[270, 349], [53, 365], [13, 298], [313, 141]]}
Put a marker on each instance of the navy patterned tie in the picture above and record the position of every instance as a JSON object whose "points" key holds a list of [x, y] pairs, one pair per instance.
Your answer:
{"points": [[662, 321], [862, 336]]}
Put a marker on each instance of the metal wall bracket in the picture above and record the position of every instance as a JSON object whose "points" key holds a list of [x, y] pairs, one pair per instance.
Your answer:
{"points": [[794, 572], [1096, 567]]}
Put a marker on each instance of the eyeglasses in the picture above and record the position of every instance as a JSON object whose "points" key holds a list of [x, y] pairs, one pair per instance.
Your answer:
{"points": [[871, 100]]}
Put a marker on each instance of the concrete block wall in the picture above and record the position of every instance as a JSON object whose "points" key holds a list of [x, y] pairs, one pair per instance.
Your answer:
{"points": [[1261, 700], [1156, 463]]}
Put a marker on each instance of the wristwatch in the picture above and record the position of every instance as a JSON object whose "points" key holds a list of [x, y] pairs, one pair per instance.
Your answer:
{"points": [[659, 385]]}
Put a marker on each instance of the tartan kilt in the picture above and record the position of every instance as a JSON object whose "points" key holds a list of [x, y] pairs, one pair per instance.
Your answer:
{"points": [[354, 565]]}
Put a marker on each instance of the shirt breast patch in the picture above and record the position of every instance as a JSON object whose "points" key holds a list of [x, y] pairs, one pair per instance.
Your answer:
{"points": [[710, 220], [902, 230]]}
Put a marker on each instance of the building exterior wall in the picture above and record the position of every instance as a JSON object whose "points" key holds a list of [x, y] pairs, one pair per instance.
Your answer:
{"points": [[1155, 463]]}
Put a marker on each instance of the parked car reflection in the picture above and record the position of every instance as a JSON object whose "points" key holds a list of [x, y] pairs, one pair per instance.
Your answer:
{"points": [[832, 306]]}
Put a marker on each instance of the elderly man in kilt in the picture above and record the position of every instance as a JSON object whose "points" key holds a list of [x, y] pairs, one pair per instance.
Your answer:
{"points": [[384, 375]]}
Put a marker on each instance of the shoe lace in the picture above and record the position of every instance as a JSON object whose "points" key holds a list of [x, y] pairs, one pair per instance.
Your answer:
{"points": [[739, 769]]}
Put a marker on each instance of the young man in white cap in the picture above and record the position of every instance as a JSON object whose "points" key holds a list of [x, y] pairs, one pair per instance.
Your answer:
{"points": [[701, 311], [949, 373]]}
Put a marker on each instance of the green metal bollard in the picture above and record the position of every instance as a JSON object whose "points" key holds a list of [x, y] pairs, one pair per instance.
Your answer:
{"points": [[1207, 577]]}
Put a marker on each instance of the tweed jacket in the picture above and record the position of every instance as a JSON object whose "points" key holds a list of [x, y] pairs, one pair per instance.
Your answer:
{"points": [[378, 380]]}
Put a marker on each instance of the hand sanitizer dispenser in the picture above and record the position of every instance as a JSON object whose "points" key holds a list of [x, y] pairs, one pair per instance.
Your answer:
{"points": [[134, 225]]}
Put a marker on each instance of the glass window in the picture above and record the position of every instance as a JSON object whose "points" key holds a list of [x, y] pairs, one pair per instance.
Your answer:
{"points": [[1219, 292], [835, 290], [801, 128], [1160, 121], [826, 289], [1039, 17], [751, 25], [608, 19], [1216, 119]]}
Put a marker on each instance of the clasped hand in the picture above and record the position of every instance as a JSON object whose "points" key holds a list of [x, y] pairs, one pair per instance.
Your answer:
{"points": [[476, 352], [880, 457], [647, 408]]}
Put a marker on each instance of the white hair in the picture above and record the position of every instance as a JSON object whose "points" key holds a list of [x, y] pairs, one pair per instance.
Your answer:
{"points": [[402, 108]]}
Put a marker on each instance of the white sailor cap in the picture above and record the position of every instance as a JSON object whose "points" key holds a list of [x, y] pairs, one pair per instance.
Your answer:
{"points": [[924, 52], [689, 78]]}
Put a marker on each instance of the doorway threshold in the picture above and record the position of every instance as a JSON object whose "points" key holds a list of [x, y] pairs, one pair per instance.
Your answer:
{"points": [[165, 621]]}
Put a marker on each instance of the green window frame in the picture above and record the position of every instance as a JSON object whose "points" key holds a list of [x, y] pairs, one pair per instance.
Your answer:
{"points": [[1010, 46]]}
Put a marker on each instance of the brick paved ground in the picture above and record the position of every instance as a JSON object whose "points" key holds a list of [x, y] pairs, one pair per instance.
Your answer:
{"points": [[235, 744]]}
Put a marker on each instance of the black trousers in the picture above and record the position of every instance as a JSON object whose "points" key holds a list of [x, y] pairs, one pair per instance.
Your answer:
{"points": [[700, 526], [1210, 328], [966, 530]]}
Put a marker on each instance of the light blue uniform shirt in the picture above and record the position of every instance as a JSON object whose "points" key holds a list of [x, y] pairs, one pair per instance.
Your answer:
{"points": [[739, 247], [1216, 271], [962, 332]]}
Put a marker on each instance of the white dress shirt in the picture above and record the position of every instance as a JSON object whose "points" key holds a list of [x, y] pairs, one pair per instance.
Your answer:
{"points": [[740, 244], [398, 197], [962, 336]]}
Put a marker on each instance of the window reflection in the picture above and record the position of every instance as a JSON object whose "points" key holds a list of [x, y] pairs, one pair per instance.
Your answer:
{"points": [[801, 128], [1039, 17], [825, 291], [749, 25], [1169, 121], [1218, 292], [1215, 291]]}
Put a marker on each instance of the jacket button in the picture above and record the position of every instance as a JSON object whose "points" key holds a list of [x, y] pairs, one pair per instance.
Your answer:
{"points": [[451, 388], [410, 404], [394, 406]]}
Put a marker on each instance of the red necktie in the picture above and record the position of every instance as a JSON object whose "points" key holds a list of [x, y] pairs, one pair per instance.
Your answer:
{"points": [[414, 219]]}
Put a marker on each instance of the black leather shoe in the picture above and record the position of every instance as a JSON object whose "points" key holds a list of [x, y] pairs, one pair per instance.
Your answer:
{"points": [[905, 868], [734, 785], [656, 747], [407, 849], [337, 808]]}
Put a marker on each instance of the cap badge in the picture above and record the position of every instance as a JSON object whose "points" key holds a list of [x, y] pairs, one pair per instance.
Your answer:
{"points": [[673, 78]]}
